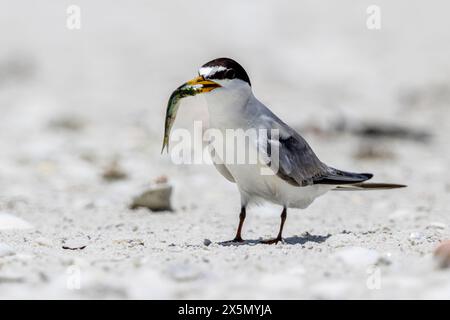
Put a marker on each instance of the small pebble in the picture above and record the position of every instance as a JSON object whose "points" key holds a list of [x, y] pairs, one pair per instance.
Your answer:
{"points": [[442, 254], [68, 122], [114, 172], [384, 260], [156, 198], [75, 244], [161, 180], [207, 242]]}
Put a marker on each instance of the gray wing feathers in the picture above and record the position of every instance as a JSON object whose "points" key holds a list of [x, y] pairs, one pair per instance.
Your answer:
{"points": [[224, 171], [339, 177], [218, 163], [298, 164]]}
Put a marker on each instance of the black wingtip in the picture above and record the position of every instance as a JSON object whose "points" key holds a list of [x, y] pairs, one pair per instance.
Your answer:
{"points": [[367, 175], [339, 177]]}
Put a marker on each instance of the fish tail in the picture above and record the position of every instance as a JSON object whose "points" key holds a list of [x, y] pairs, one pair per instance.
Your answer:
{"points": [[165, 144]]}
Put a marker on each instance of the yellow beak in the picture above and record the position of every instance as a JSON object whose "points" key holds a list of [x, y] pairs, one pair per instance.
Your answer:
{"points": [[202, 84]]}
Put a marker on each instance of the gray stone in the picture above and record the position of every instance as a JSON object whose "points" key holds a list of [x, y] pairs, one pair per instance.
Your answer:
{"points": [[157, 198]]}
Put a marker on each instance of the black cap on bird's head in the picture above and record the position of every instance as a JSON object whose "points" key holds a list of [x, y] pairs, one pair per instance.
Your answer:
{"points": [[223, 69], [215, 74]]}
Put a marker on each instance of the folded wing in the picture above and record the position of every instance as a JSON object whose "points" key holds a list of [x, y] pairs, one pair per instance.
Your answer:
{"points": [[296, 163]]}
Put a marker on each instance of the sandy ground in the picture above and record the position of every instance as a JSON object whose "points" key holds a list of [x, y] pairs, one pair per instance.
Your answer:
{"points": [[73, 102]]}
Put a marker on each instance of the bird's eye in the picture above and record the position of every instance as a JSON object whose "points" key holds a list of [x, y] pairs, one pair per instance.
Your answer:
{"points": [[230, 74]]}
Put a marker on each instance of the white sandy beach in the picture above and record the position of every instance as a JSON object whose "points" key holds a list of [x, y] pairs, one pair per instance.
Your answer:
{"points": [[73, 102]]}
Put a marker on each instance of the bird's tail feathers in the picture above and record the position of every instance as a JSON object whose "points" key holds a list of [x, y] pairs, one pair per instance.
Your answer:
{"points": [[368, 186]]}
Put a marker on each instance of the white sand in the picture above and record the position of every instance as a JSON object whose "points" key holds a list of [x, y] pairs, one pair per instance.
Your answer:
{"points": [[73, 101]]}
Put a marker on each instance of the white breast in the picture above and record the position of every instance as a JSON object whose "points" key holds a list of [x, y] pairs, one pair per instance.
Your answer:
{"points": [[239, 109], [254, 186]]}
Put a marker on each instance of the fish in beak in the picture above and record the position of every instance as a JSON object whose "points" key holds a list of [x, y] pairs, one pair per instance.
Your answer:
{"points": [[190, 88]]}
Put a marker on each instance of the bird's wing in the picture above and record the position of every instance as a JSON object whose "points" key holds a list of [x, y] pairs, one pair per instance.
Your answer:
{"points": [[220, 166], [297, 163]]}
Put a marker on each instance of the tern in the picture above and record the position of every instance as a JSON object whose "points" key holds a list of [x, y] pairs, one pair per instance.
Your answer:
{"points": [[298, 178]]}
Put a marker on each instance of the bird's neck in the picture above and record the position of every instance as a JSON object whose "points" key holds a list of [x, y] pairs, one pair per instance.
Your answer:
{"points": [[227, 109]]}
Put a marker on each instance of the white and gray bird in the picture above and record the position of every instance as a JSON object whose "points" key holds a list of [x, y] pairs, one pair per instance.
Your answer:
{"points": [[300, 177]]}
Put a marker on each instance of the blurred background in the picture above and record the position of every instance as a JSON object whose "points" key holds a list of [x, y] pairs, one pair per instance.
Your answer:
{"points": [[78, 104]]}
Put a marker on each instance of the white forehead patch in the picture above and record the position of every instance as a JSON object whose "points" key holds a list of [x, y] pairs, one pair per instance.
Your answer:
{"points": [[208, 71]]}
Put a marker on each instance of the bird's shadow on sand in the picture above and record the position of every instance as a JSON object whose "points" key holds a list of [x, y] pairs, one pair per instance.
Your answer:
{"points": [[306, 237]]}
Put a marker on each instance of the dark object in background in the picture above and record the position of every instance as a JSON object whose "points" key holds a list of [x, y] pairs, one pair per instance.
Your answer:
{"points": [[17, 68], [381, 130], [114, 172], [67, 123], [391, 131], [373, 151], [372, 130]]}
